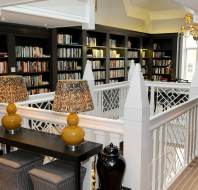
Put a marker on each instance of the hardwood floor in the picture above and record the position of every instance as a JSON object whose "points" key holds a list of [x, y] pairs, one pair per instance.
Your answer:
{"points": [[188, 180]]}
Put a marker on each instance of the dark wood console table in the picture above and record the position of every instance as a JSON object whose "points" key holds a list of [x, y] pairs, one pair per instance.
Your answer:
{"points": [[51, 145]]}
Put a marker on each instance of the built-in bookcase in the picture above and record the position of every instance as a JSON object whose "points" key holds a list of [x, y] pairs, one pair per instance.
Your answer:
{"points": [[69, 53], [3, 55], [33, 62], [96, 54], [117, 45], [162, 63], [44, 56]]}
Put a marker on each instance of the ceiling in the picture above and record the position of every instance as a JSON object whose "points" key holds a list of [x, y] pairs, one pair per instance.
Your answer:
{"points": [[156, 5]]}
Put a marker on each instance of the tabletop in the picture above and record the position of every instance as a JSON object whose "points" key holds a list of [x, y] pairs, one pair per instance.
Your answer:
{"points": [[48, 144]]}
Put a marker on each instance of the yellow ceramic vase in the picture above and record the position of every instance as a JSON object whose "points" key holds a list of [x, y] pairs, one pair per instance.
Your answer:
{"points": [[11, 121], [72, 134]]}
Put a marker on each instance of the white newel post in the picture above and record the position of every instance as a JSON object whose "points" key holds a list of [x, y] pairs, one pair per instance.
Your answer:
{"points": [[89, 76], [131, 70], [137, 137], [193, 94]]}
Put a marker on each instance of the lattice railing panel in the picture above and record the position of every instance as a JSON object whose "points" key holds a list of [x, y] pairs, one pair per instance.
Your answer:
{"points": [[173, 147], [166, 98], [47, 105]]}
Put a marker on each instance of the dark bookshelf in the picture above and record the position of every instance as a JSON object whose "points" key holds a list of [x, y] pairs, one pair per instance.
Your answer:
{"points": [[164, 57], [33, 58], [96, 54], [3, 55], [67, 50], [69, 54]]}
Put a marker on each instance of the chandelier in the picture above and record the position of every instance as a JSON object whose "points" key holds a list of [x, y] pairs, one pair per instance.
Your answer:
{"points": [[189, 27]]}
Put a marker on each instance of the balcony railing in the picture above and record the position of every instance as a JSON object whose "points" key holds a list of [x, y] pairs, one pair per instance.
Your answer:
{"points": [[110, 98], [174, 142]]}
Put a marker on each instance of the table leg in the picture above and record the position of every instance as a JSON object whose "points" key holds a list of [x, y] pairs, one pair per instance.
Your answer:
{"points": [[77, 176]]}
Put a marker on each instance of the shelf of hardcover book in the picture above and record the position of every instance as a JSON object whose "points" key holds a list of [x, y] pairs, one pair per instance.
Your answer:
{"points": [[96, 40], [33, 62], [133, 51], [69, 37], [3, 55], [69, 53]]}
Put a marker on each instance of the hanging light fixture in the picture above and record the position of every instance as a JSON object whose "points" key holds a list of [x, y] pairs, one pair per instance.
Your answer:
{"points": [[189, 27]]}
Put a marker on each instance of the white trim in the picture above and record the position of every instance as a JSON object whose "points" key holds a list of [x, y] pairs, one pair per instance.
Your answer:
{"points": [[30, 10], [18, 2], [166, 116]]}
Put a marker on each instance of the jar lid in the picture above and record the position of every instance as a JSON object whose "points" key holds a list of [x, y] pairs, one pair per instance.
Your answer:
{"points": [[111, 150]]}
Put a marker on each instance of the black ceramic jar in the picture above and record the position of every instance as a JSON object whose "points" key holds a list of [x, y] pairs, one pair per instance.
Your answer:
{"points": [[110, 167]]}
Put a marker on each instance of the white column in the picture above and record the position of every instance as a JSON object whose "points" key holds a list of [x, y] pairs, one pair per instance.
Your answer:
{"points": [[89, 76], [137, 137], [131, 70], [194, 83], [193, 94]]}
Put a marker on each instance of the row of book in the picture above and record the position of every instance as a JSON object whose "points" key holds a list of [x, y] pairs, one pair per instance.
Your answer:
{"points": [[65, 76], [162, 62], [163, 70], [99, 82], [38, 91], [145, 54], [30, 51], [34, 81], [117, 63], [114, 54], [91, 41], [98, 75], [64, 39], [158, 78], [69, 52], [113, 80], [32, 66], [3, 67], [160, 54], [113, 43], [95, 53], [133, 54], [144, 63], [116, 73], [68, 65], [96, 64]]}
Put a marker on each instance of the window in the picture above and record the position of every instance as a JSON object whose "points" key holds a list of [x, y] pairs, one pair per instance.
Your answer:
{"points": [[189, 58]]}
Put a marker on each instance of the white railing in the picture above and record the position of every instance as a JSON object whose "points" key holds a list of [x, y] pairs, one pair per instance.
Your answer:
{"points": [[174, 142], [110, 98], [164, 95]]}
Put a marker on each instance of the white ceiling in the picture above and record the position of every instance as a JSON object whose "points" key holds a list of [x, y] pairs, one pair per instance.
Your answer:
{"points": [[156, 5], [50, 13]]}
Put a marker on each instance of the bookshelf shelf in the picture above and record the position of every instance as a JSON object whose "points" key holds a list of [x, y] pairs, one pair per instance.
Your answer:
{"points": [[37, 87], [117, 68], [32, 73], [70, 58], [70, 71], [96, 47], [68, 45]]}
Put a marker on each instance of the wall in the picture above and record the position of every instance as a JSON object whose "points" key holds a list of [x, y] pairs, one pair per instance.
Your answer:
{"points": [[165, 26], [112, 13]]}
